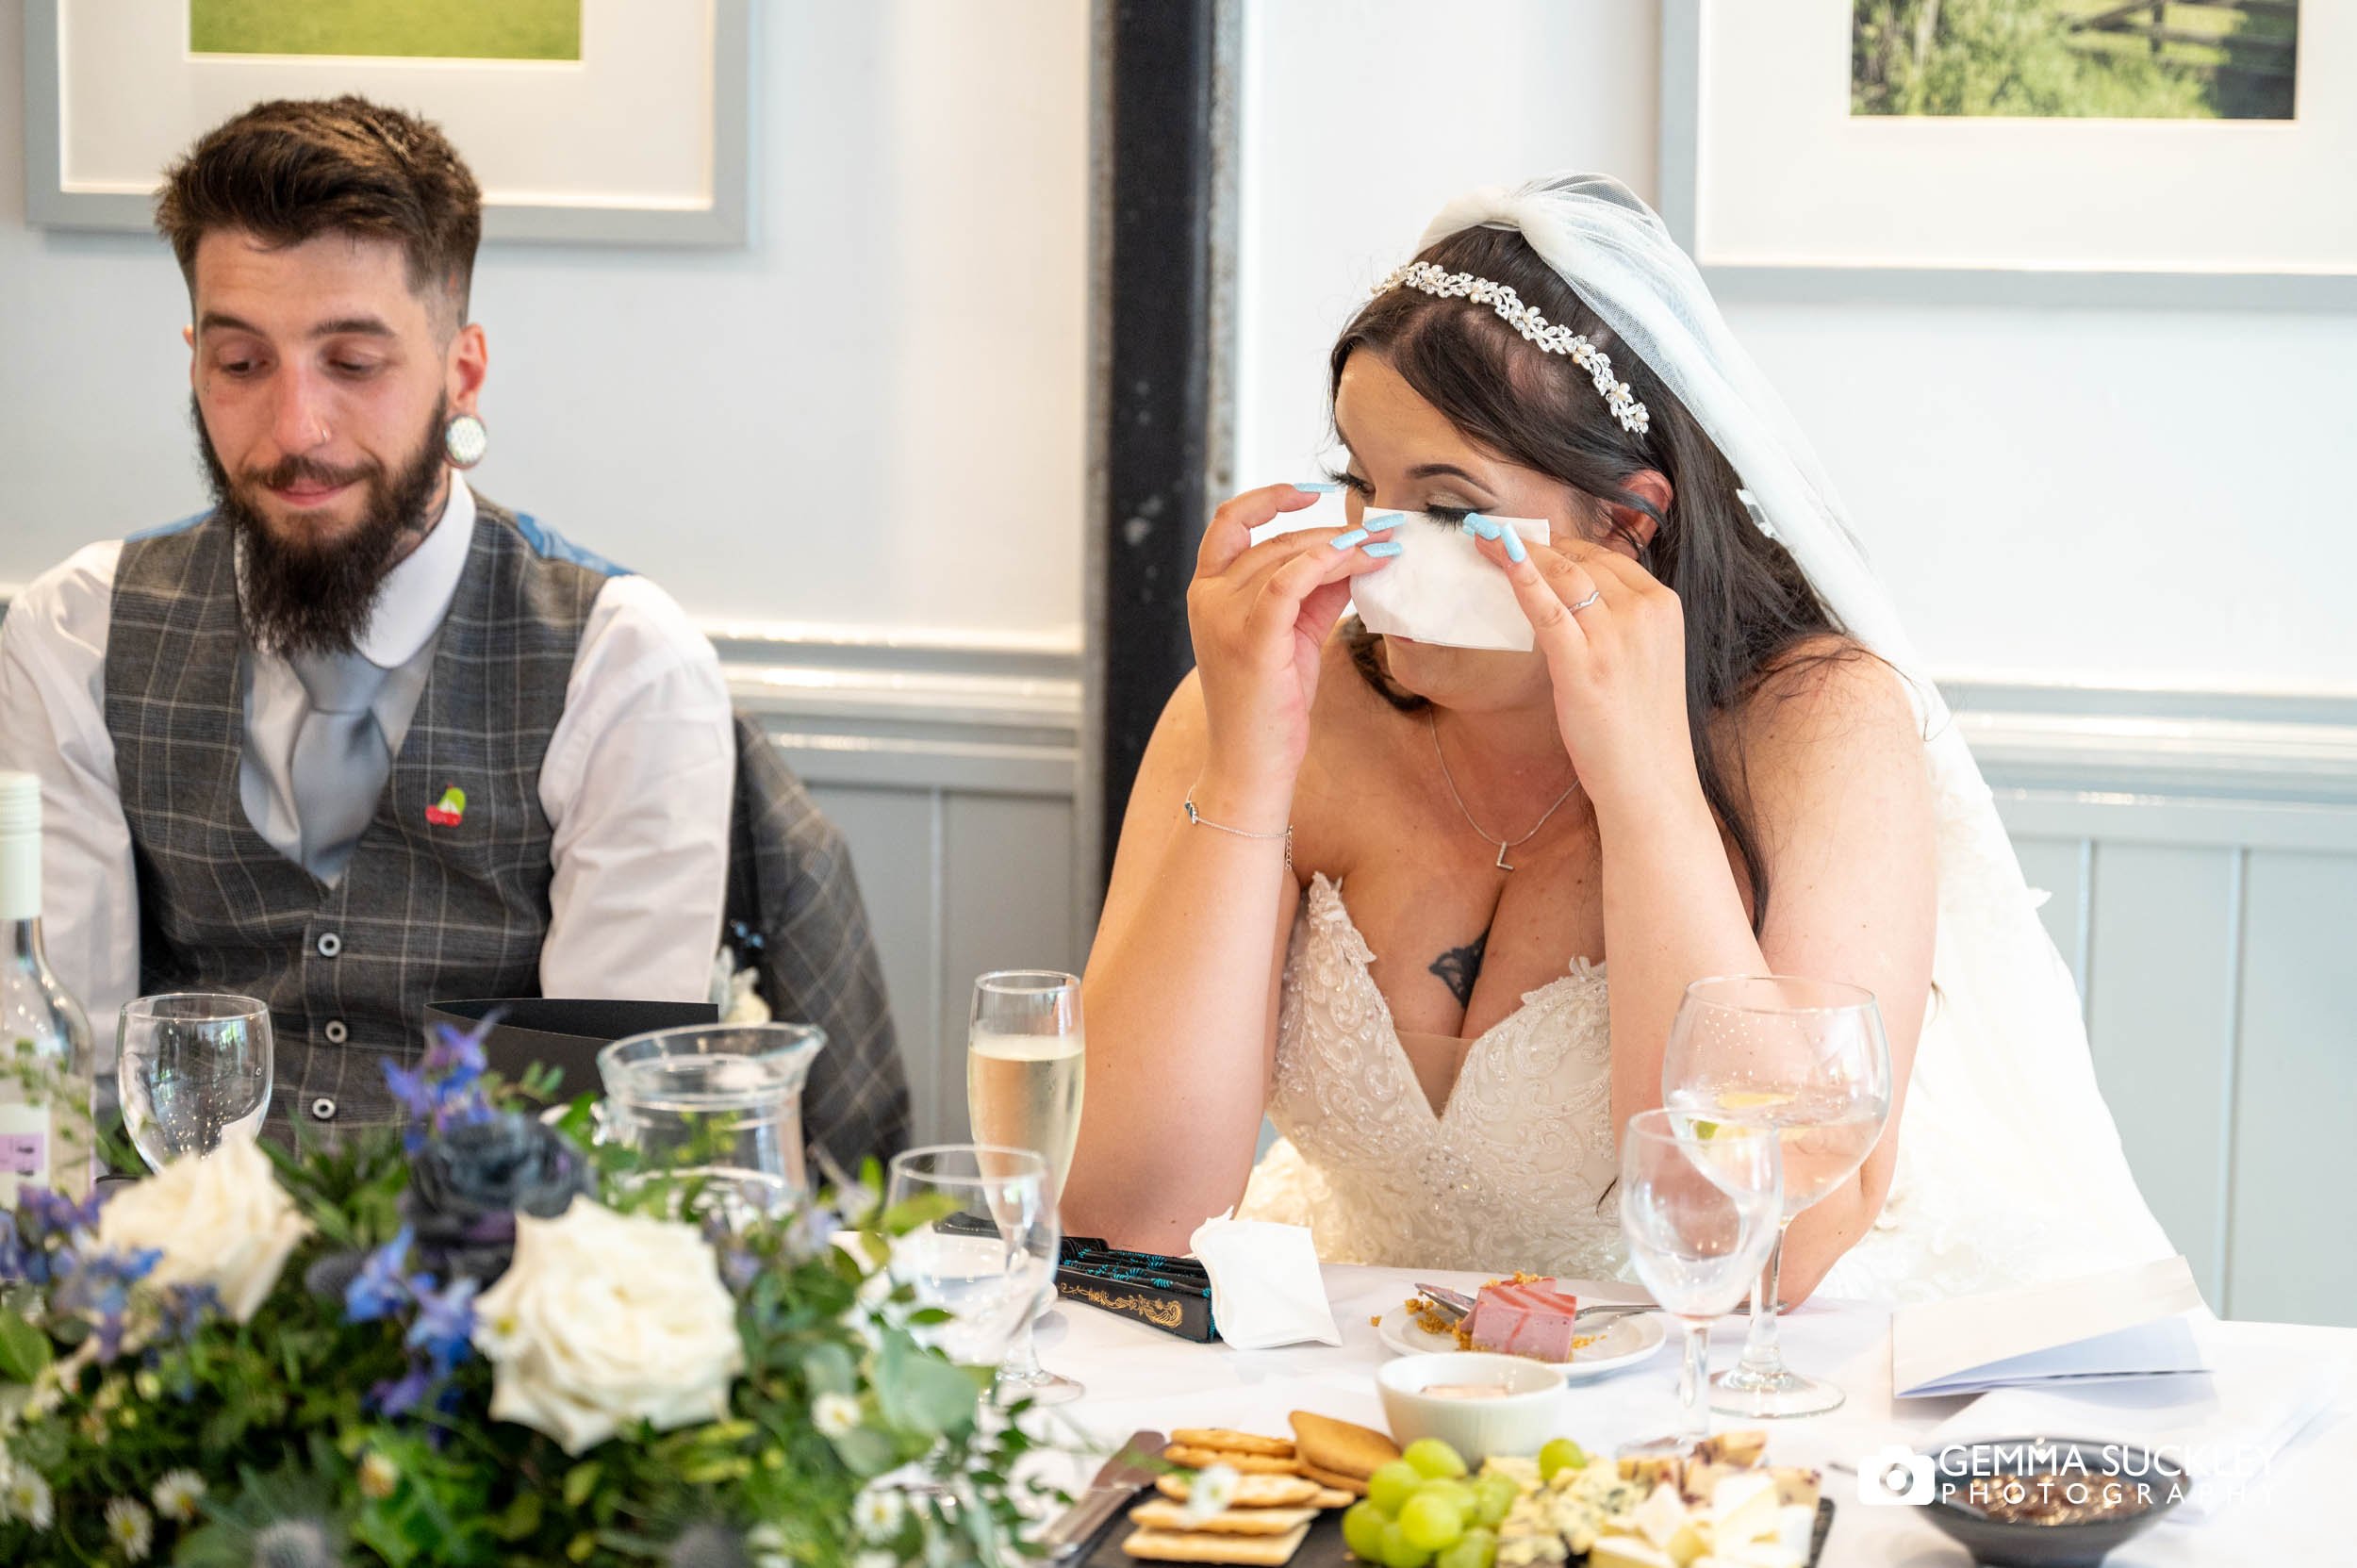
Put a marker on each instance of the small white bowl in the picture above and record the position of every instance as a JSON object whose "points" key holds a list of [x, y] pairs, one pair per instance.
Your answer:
{"points": [[1518, 1422]]}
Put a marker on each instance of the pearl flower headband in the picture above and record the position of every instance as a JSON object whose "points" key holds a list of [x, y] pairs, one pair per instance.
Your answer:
{"points": [[1428, 278]]}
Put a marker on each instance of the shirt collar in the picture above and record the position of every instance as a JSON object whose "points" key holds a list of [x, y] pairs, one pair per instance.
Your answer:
{"points": [[417, 592]]}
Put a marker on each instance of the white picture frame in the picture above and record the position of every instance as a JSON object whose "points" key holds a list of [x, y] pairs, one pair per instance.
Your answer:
{"points": [[644, 141], [1777, 190]]}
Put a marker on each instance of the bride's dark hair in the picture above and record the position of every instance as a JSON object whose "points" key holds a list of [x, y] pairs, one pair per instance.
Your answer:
{"points": [[1748, 607]]}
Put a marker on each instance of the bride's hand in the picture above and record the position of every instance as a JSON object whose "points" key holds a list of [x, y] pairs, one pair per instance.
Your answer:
{"points": [[1614, 637], [1259, 616]]}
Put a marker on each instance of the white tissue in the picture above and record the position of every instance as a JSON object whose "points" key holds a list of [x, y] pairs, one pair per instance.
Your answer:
{"points": [[1440, 589], [1266, 1290]]}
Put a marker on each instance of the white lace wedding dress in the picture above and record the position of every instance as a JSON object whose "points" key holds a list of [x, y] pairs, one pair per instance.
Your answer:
{"points": [[1999, 1180]]}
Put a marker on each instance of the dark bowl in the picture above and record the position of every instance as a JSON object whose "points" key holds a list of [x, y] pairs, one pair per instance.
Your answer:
{"points": [[2017, 1543]]}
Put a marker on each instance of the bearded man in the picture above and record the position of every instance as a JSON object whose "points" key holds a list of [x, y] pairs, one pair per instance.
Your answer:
{"points": [[355, 738]]}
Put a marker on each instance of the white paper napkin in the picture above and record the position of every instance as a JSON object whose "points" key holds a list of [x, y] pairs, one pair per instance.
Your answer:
{"points": [[1266, 1290], [1438, 588], [1441, 589], [2221, 1430], [2124, 1322]]}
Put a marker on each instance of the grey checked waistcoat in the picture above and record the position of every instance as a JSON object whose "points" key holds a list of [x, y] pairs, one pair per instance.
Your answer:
{"points": [[430, 908]]}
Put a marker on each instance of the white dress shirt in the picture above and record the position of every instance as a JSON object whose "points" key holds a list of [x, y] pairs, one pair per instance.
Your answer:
{"points": [[636, 782]]}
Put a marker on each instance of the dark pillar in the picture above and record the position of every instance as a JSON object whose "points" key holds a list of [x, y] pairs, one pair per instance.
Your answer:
{"points": [[1164, 253]]}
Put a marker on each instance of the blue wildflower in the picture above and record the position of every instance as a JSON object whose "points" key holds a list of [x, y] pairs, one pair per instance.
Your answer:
{"points": [[380, 1289], [444, 1328], [401, 1395]]}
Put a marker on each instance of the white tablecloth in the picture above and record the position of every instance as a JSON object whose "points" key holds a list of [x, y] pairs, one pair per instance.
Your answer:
{"points": [[1141, 1379]]}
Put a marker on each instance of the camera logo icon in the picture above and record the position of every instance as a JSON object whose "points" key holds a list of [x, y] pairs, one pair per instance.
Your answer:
{"points": [[1894, 1474]]}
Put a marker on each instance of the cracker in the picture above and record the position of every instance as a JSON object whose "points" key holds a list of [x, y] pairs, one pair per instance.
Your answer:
{"points": [[1230, 1442], [1250, 1464], [1161, 1515], [1334, 1484], [1254, 1551], [1251, 1491], [1341, 1447], [1334, 1496]]}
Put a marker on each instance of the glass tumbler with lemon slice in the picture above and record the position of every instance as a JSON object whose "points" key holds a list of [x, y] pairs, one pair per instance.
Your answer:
{"points": [[1807, 1060]]}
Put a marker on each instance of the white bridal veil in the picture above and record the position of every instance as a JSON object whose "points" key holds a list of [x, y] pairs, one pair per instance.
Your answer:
{"points": [[2010, 1168]]}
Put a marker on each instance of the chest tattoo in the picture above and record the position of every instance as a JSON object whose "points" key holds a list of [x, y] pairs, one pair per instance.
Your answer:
{"points": [[1459, 967]]}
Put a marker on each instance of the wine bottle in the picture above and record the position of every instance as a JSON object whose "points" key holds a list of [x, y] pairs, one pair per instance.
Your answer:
{"points": [[45, 1055]]}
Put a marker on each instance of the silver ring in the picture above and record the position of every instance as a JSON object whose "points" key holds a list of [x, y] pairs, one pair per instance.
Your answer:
{"points": [[1587, 601]]}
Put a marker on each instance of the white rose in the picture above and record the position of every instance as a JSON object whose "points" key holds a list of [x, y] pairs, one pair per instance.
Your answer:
{"points": [[605, 1319], [220, 1219]]}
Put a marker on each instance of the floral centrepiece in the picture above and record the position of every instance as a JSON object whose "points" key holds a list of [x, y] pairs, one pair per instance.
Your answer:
{"points": [[476, 1338]]}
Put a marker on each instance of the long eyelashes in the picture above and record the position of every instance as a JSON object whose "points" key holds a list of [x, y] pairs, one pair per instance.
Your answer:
{"points": [[1448, 517]]}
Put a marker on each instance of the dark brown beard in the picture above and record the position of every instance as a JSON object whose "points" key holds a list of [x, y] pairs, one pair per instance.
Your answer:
{"points": [[304, 596]]}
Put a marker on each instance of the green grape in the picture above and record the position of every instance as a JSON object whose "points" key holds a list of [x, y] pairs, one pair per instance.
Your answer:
{"points": [[1433, 1457], [1560, 1454], [1362, 1531], [1400, 1552], [1494, 1498], [1467, 1553], [1457, 1490], [1431, 1521], [1391, 1485]]}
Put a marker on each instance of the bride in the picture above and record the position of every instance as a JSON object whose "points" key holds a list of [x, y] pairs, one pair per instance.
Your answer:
{"points": [[1371, 886]]}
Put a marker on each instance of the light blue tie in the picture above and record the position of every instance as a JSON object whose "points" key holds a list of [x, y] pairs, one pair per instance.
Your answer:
{"points": [[340, 760]]}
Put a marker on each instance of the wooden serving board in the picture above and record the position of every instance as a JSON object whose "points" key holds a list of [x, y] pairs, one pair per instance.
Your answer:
{"points": [[1324, 1547]]}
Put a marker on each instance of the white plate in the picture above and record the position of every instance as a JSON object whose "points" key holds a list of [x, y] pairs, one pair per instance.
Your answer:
{"points": [[1621, 1342]]}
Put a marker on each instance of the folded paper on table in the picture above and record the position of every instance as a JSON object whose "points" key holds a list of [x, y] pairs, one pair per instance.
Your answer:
{"points": [[2125, 1323], [1267, 1289], [2221, 1430], [1438, 588]]}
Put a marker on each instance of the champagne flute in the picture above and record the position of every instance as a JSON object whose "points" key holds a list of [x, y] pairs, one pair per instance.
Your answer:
{"points": [[1699, 1207], [1024, 1067], [194, 1070], [1807, 1060], [986, 1259]]}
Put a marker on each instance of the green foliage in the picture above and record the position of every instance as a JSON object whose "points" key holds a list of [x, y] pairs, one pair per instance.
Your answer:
{"points": [[2022, 57], [300, 1466], [472, 30]]}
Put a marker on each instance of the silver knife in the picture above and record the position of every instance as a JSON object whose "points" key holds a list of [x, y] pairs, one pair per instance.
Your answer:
{"points": [[1121, 1479]]}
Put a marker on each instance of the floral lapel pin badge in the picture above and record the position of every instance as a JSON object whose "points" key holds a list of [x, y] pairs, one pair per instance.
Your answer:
{"points": [[450, 810]]}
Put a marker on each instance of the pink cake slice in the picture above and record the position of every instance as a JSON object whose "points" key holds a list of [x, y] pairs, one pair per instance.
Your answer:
{"points": [[1525, 1317]]}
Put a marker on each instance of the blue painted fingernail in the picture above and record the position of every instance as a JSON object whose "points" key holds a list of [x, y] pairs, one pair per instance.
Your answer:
{"points": [[1514, 551], [1482, 526], [1320, 486], [1388, 520], [1385, 549], [1344, 542]]}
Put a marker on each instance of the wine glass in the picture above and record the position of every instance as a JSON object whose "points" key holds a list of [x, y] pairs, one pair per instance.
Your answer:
{"points": [[989, 1252], [1699, 1207], [1023, 1065], [1806, 1059], [193, 1069]]}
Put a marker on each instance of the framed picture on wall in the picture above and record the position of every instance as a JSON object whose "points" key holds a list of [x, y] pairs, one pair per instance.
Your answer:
{"points": [[584, 120], [2177, 152]]}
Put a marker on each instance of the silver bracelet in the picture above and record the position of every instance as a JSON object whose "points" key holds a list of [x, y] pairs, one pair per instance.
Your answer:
{"points": [[1196, 820]]}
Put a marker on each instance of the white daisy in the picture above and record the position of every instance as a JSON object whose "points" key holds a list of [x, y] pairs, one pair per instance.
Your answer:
{"points": [[1209, 1492], [131, 1527], [835, 1414], [28, 1500], [875, 1560], [176, 1495], [767, 1543], [879, 1512]]}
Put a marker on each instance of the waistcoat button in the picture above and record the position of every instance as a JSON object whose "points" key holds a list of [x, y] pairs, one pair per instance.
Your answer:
{"points": [[324, 1108], [336, 1032], [330, 944]]}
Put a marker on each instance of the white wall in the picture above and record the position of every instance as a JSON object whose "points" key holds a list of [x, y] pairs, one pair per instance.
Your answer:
{"points": [[2108, 497], [871, 419]]}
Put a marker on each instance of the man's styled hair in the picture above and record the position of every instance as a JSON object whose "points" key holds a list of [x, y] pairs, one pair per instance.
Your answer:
{"points": [[290, 169]]}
